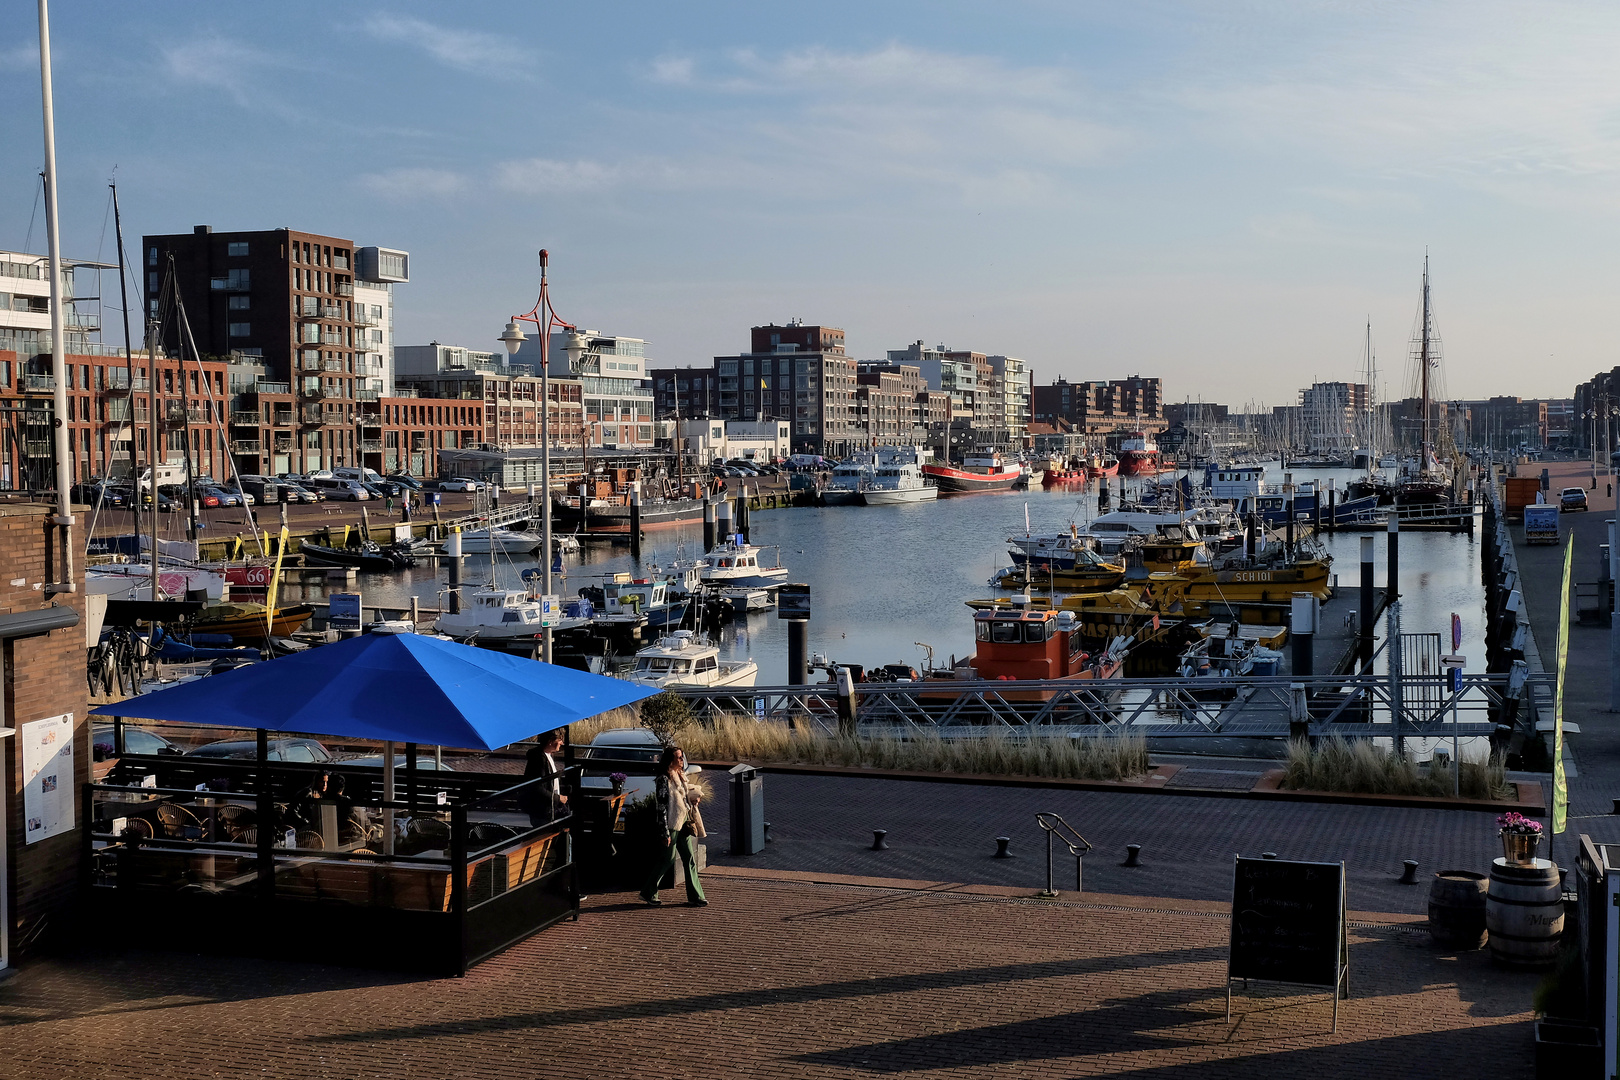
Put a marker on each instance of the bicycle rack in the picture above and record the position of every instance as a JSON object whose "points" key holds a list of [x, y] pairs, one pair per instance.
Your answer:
{"points": [[1078, 845]]}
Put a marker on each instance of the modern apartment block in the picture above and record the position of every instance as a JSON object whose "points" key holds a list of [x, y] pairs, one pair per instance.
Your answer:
{"points": [[684, 392], [795, 372], [285, 299], [612, 372], [1107, 409], [505, 395]]}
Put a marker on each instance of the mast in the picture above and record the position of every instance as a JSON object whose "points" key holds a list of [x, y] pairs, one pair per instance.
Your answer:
{"points": [[1423, 447], [59, 399], [129, 378]]}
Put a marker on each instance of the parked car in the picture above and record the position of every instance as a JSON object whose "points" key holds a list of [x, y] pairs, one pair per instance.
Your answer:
{"points": [[424, 763], [636, 744], [222, 496], [1572, 498], [334, 488], [461, 483], [295, 492], [136, 741], [92, 493], [278, 750], [405, 481]]}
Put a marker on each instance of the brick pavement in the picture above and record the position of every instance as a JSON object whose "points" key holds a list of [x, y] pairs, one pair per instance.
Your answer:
{"points": [[946, 832], [786, 979]]}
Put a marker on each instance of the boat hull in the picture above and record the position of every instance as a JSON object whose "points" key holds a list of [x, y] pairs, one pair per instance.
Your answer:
{"points": [[286, 621], [1105, 471], [895, 496], [1055, 477], [840, 497], [654, 514], [952, 481]]}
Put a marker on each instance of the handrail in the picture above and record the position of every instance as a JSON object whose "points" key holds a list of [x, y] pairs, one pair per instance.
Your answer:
{"points": [[1054, 826]]}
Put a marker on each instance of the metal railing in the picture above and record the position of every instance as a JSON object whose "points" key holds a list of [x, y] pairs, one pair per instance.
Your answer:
{"points": [[1155, 709], [32, 383], [265, 387], [251, 417], [343, 288], [367, 395], [244, 446]]}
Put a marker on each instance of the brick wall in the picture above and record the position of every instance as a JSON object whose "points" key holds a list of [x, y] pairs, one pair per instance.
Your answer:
{"points": [[44, 676]]}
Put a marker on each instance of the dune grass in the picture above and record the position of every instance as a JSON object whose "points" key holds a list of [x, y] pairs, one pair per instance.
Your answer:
{"points": [[1360, 767]]}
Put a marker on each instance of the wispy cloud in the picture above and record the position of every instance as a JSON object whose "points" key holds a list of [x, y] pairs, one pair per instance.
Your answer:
{"points": [[465, 50], [223, 64], [413, 184], [20, 57]]}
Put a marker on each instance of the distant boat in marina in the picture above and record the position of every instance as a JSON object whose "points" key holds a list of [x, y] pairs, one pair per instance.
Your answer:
{"points": [[504, 541], [848, 480], [1139, 456], [685, 660], [735, 563]]}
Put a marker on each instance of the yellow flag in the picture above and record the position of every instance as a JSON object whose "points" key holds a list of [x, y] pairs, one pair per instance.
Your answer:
{"points": [[275, 582], [1560, 814]]}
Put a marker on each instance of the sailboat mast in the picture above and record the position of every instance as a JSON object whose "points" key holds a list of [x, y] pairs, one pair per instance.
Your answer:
{"points": [[59, 398], [129, 378], [1423, 449]]}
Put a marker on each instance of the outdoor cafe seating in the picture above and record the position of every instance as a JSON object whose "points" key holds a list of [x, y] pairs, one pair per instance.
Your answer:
{"points": [[421, 870]]}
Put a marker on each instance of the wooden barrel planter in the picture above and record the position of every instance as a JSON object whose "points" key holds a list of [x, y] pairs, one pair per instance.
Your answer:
{"points": [[1457, 910], [1524, 913]]}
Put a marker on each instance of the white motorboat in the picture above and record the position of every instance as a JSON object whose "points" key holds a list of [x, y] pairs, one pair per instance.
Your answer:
{"points": [[736, 563], [504, 541], [898, 482], [848, 480], [133, 581], [683, 659], [492, 613]]}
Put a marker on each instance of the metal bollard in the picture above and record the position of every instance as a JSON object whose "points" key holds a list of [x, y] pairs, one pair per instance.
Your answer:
{"points": [[767, 832], [878, 843], [1133, 854], [1001, 848], [1409, 876], [1268, 854]]}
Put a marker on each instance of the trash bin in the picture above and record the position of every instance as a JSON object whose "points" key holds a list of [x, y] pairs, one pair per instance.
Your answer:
{"points": [[747, 811]]}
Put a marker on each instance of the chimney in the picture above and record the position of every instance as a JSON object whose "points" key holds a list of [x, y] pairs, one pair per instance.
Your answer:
{"points": [[202, 230]]}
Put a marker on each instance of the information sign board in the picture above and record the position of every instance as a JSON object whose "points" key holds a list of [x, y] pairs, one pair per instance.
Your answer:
{"points": [[47, 752], [1288, 925], [344, 611], [793, 601]]}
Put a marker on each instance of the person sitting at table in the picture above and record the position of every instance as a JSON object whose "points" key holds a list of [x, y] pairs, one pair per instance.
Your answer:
{"points": [[305, 808]]}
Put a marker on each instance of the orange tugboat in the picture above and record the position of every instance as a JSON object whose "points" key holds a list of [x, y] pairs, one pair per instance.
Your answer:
{"points": [[1019, 643]]}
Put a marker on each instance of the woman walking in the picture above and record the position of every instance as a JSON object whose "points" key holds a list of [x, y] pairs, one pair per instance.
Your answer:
{"points": [[682, 824]]}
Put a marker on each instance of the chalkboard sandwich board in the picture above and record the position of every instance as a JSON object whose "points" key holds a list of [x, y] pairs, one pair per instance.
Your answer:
{"points": [[1288, 925]]}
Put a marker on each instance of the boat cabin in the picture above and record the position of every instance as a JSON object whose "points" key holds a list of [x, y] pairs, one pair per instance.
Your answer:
{"points": [[1233, 482], [510, 605], [1025, 643]]}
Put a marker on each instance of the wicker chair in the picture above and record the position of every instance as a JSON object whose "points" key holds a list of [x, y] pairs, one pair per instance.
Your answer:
{"points": [[311, 840], [484, 833], [179, 823]]}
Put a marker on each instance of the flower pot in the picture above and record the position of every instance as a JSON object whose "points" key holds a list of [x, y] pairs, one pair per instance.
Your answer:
{"points": [[1520, 848], [1567, 1048], [618, 788]]}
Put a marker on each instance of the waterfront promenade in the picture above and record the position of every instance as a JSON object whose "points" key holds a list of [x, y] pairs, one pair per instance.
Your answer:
{"points": [[786, 978]]}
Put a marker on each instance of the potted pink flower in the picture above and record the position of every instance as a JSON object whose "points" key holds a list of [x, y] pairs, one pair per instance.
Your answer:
{"points": [[1520, 838]]}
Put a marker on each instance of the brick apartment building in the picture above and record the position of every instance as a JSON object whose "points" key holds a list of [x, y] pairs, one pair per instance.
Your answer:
{"points": [[794, 372], [1110, 408], [284, 299]]}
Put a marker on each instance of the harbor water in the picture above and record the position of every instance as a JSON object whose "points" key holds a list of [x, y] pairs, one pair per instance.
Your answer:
{"points": [[887, 580]]}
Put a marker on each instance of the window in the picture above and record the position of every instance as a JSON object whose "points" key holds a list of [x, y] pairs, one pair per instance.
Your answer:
{"points": [[310, 333], [151, 257], [240, 303], [1004, 631], [376, 337], [237, 249], [241, 329], [376, 311]]}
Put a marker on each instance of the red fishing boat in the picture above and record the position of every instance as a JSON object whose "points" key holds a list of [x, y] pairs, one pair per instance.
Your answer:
{"points": [[978, 472], [1103, 466], [1139, 455]]}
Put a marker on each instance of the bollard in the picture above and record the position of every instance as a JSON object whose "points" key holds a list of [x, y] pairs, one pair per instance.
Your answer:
{"points": [[1288, 504], [708, 523], [1394, 556], [1268, 854], [878, 841], [1333, 512], [767, 832], [1001, 848], [452, 548], [1302, 629], [365, 524], [722, 519], [1409, 875], [1133, 854]]}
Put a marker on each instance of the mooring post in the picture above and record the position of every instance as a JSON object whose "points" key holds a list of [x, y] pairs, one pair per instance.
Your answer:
{"points": [[798, 645], [635, 521], [1393, 554], [1369, 610], [452, 551], [708, 522]]}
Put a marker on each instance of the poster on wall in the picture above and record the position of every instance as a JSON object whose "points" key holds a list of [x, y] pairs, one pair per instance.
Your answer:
{"points": [[47, 749]]}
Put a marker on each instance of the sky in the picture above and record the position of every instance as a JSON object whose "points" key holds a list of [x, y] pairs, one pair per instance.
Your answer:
{"points": [[1222, 195]]}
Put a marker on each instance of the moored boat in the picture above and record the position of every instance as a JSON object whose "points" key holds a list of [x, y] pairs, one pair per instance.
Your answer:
{"points": [[369, 556], [686, 660], [736, 564], [248, 620], [897, 480], [983, 471], [1139, 455]]}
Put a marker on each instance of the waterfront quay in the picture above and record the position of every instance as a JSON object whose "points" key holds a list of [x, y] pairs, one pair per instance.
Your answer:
{"points": [[787, 976]]}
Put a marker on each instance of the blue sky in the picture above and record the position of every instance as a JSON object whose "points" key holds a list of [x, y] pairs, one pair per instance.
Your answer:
{"points": [[1220, 194]]}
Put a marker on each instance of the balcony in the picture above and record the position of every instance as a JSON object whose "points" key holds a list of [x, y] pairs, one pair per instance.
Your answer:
{"points": [[283, 445], [38, 384], [366, 395], [248, 418], [309, 363], [332, 338], [332, 365], [371, 446], [283, 419], [321, 311], [361, 318], [311, 414], [343, 288], [262, 387], [312, 392], [245, 446], [119, 382]]}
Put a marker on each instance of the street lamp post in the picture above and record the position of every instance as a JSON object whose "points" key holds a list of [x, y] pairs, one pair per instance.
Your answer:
{"points": [[544, 317]]}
